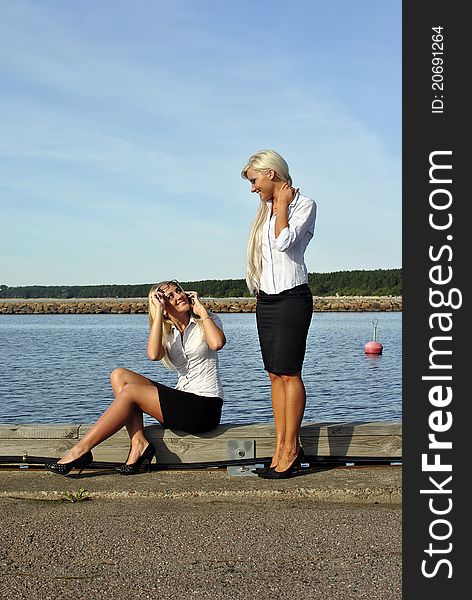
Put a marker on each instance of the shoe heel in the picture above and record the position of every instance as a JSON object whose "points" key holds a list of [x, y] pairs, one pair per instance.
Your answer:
{"points": [[87, 460], [143, 461]]}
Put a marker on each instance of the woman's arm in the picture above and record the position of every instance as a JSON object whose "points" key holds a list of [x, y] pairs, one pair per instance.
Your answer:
{"points": [[155, 349], [284, 197], [302, 220], [214, 336]]}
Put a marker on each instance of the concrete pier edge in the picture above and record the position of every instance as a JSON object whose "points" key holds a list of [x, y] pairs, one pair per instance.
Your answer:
{"points": [[355, 485]]}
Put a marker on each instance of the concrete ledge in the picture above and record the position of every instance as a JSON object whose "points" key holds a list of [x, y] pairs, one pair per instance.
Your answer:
{"points": [[354, 485]]}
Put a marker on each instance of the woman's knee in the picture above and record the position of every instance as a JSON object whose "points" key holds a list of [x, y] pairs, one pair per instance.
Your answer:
{"points": [[118, 376], [295, 377], [281, 378]]}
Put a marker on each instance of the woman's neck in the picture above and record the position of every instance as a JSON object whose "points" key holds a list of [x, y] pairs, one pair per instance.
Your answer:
{"points": [[180, 322]]}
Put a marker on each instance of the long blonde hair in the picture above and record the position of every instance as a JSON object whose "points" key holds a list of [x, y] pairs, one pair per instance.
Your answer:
{"points": [[264, 160], [166, 322]]}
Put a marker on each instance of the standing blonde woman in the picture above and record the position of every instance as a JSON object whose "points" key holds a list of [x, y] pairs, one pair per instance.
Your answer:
{"points": [[186, 338], [277, 275]]}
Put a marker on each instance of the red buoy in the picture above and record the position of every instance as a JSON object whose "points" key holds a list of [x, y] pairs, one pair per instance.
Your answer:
{"points": [[373, 347]]}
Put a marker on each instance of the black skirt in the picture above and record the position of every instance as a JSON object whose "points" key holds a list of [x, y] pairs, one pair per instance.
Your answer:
{"points": [[283, 321], [188, 412]]}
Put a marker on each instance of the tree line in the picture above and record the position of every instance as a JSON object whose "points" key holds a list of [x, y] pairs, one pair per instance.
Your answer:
{"points": [[377, 282]]}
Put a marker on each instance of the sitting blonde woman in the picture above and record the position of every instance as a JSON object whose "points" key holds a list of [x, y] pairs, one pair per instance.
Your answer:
{"points": [[186, 338]]}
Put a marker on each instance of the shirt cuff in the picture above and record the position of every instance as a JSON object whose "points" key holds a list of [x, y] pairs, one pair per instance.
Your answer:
{"points": [[282, 242]]}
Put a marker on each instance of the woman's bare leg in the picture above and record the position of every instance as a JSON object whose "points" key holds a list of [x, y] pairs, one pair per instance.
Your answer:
{"points": [[295, 401], [119, 378], [278, 409], [131, 398]]}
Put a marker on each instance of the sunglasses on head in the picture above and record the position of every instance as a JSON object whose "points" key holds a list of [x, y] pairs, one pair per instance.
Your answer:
{"points": [[175, 283]]}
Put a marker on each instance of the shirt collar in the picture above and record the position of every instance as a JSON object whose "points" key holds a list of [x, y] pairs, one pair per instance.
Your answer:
{"points": [[292, 204], [176, 332]]}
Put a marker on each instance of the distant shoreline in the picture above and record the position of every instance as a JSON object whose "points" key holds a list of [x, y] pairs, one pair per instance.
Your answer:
{"points": [[217, 305]]}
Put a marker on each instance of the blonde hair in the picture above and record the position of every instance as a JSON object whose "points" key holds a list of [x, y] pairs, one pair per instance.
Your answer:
{"points": [[264, 160], [166, 322]]}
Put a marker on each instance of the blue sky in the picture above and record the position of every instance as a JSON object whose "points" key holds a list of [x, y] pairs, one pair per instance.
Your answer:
{"points": [[124, 127]]}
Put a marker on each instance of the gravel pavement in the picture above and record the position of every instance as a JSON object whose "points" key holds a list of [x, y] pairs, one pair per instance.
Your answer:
{"points": [[202, 534]]}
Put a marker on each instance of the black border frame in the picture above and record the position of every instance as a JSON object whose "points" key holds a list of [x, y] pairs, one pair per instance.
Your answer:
{"points": [[424, 132]]}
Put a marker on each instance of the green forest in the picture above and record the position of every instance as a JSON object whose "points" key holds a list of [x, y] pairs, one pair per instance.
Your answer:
{"points": [[377, 282]]}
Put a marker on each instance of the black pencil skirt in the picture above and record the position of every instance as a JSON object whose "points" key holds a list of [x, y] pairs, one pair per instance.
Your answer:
{"points": [[188, 412], [282, 325]]}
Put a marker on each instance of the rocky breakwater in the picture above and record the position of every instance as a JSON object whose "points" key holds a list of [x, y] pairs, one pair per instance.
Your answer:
{"points": [[357, 304], [217, 305]]}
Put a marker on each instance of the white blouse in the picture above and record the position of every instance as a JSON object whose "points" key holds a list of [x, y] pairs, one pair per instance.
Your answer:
{"points": [[283, 263], [196, 364]]}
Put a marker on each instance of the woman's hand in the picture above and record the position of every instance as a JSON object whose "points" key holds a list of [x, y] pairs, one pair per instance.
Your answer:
{"points": [[155, 351], [158, 301], [195, 304], [215, 338], [286, 194]]}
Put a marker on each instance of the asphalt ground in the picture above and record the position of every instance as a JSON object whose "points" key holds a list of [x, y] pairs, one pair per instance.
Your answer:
{"points": [[331, 534]]}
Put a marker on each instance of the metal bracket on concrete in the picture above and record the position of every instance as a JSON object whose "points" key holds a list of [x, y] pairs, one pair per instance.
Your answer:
{"points": [[24, 458], [237, 450]]}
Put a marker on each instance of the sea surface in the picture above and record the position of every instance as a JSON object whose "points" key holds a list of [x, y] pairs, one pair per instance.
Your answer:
{"points": [[55, 368]]}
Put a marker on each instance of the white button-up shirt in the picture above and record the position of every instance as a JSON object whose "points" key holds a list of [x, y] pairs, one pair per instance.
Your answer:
{"points": [[196, 364], [283, 263]]}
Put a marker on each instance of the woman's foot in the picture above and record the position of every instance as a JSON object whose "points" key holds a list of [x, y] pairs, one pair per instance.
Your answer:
{"points": [[292, 468], [64, 468], [268, 468], [275, 458], [72, 454], [136, 450], [287, 459], [144, 459]]}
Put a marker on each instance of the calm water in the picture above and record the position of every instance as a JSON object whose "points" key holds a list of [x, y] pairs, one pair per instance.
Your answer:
{"points": [[55, 368]]}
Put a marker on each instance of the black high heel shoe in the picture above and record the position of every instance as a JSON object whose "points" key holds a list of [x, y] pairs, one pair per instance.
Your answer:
{"points": [[65, 468], [273, 474], [263, 471], [132, 469]]}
